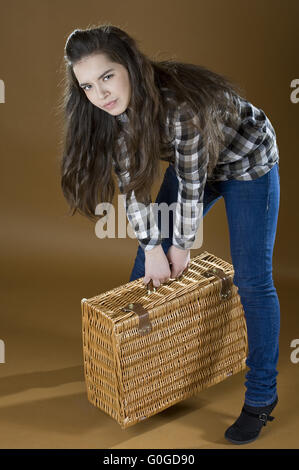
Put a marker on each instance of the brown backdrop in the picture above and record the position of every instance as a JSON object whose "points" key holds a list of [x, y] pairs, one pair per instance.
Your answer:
{"points": [[50, 260]]}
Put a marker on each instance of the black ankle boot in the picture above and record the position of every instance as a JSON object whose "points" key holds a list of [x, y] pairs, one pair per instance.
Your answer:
{"points": [[249, 424]]}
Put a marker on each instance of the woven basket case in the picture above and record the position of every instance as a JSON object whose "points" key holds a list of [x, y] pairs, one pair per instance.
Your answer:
{"points": [[146, 350]]}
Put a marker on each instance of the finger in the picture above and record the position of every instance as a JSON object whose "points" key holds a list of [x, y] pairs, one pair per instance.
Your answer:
{"points": [[156, 283], [174, 273]]}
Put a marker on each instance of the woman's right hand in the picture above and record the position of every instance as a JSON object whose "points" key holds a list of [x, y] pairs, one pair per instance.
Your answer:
{"points": [[156, 266]]}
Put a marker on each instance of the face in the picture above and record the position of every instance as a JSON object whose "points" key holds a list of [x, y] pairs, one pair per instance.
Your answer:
{"points": [[104, 81]]}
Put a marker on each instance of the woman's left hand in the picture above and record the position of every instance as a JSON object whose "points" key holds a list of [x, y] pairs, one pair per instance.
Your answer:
{"points": [[178, 260]]}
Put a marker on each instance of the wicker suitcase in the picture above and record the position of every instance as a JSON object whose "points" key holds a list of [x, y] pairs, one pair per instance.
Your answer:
{"points": [[146, 350]]}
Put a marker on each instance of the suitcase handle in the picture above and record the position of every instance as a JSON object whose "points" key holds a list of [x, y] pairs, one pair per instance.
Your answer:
{"points": [[226, 281], [150, 287]]}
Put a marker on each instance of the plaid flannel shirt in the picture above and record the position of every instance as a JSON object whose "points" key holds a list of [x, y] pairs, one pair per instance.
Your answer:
{"points": [[250, 151]]}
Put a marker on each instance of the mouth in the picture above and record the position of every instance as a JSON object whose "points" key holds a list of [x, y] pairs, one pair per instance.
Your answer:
{"points": [[110, 104]]}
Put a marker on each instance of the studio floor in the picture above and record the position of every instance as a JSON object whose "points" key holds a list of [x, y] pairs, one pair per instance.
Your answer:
{"points": [[43, 397]]}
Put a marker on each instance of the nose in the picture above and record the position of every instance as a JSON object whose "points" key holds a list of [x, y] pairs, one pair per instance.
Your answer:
{"points": [[102, 93]]}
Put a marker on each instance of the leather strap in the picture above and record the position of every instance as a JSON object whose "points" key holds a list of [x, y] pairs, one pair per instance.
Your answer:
{"points": [[145, 326], [263, 417], [226, 281]]}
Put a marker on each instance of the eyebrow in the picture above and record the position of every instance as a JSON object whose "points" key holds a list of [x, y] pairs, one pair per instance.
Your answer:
{"points": [[109, 70]]}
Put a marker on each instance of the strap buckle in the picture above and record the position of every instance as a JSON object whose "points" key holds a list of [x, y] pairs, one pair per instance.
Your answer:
{"points": [[264, 417]]}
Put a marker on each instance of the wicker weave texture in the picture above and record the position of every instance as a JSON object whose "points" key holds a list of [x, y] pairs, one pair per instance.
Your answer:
{"points": [[197, 340]]}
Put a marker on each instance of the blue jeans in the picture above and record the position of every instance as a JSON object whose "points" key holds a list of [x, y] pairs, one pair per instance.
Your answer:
{"points": [[252, 212]]}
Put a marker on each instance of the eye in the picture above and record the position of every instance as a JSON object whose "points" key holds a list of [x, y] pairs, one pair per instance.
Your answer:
{"points": [[85, 87], [109, 75]]}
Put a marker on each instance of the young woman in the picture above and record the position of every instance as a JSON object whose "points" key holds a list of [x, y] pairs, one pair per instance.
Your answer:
{"points": [[125, 112]]}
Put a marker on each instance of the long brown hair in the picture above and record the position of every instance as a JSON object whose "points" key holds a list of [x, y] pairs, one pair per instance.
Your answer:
{"points": [[90, 137]]}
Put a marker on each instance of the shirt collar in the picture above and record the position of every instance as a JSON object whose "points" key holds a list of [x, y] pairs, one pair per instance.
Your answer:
{"points": [[122, 117]]}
